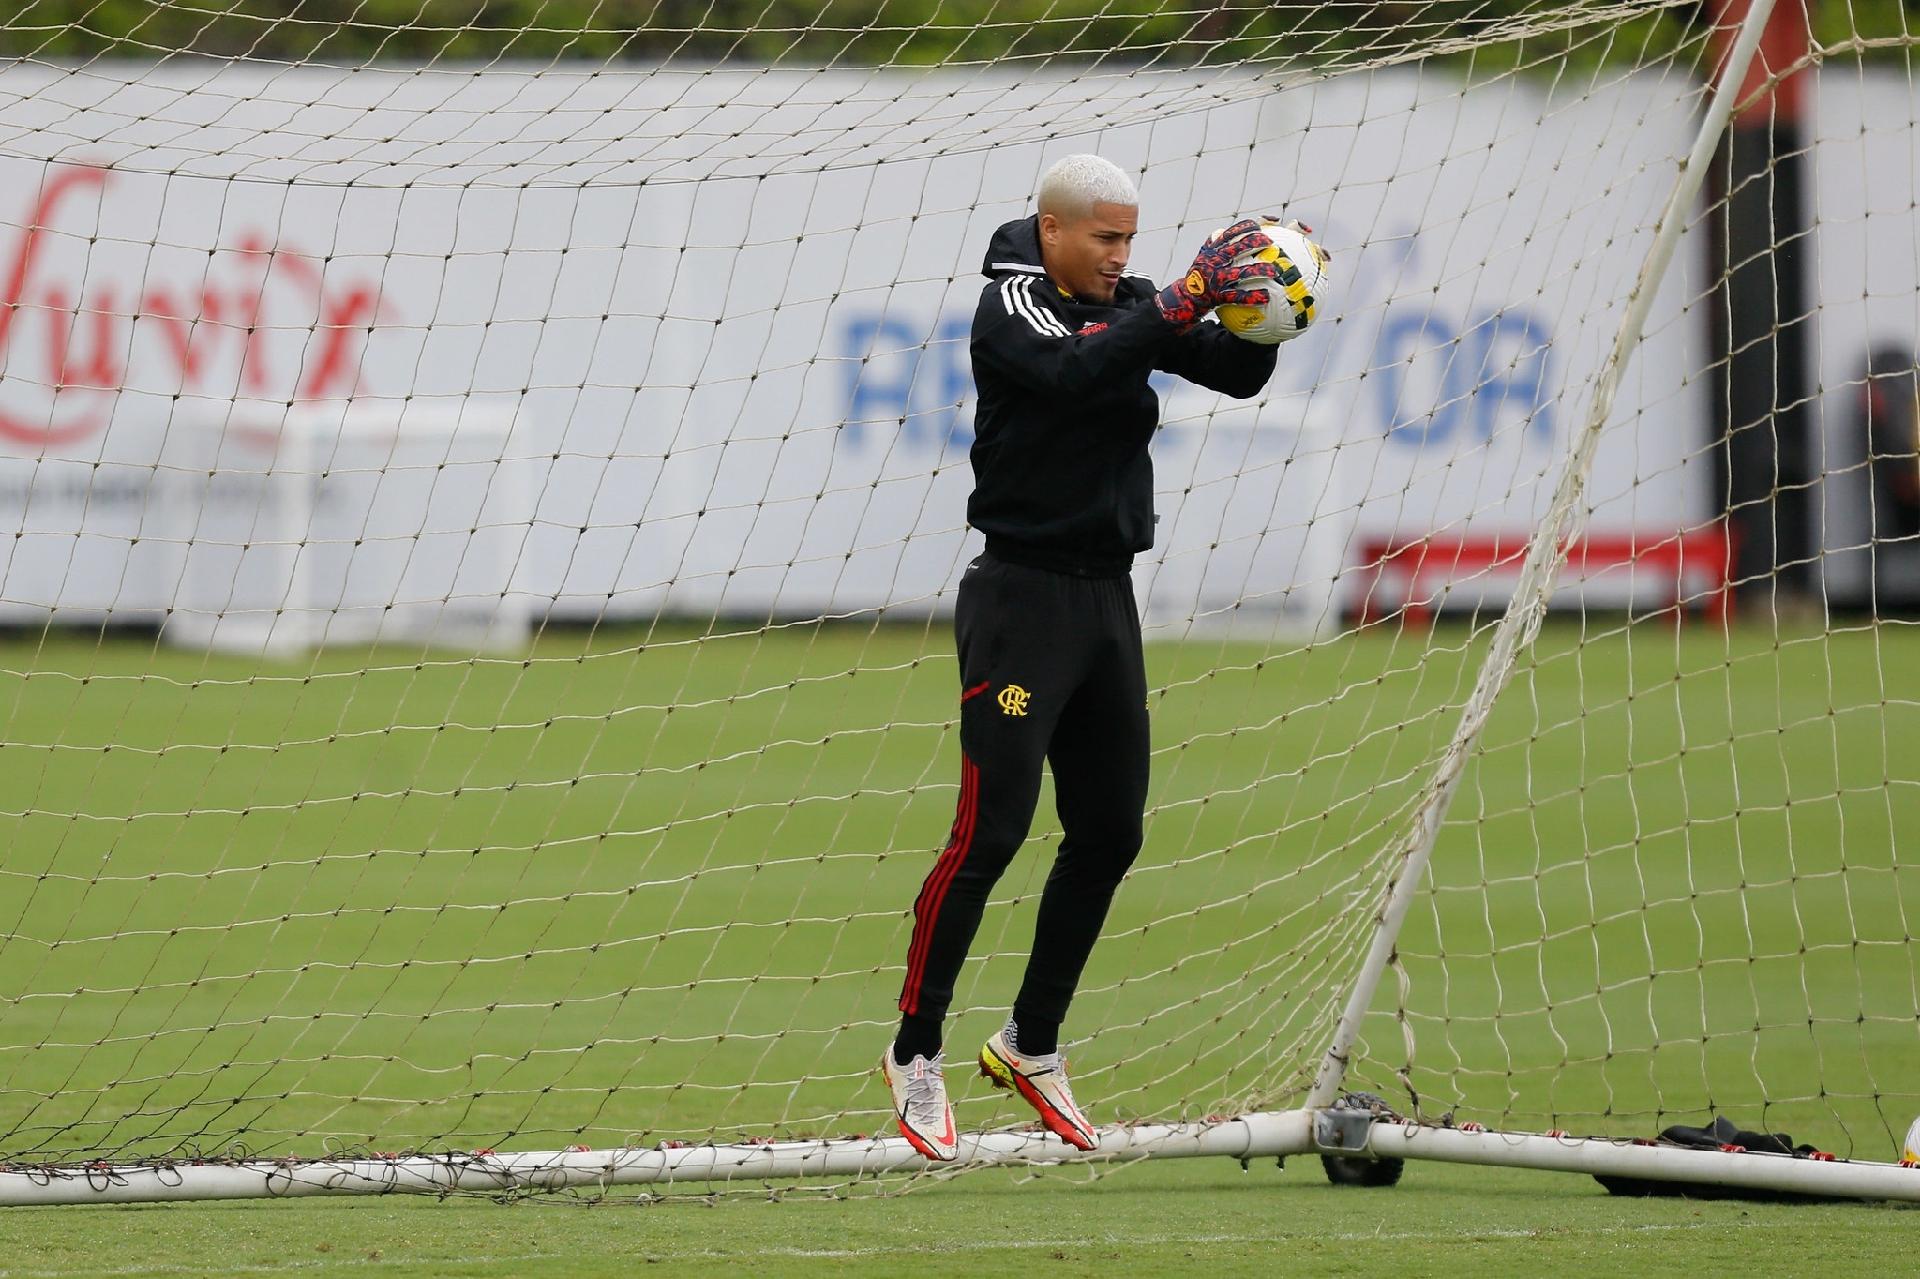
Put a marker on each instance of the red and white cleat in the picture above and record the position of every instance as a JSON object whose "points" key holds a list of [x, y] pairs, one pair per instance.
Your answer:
{"points": [[1042, 1081], [920, 1104]]}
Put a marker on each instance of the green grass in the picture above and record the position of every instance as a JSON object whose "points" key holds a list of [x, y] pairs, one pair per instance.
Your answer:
{"points": [[1148, 1220], [655, 883]]}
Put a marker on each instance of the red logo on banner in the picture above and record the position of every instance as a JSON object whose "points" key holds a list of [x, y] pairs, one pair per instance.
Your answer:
{"points": [[224, 314]]}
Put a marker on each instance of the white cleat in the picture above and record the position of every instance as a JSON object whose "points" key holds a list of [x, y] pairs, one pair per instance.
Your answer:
{"points": [[920, 1104], [1042, 1081]]}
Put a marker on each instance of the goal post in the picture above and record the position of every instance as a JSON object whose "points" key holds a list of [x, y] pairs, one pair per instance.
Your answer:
{"points": [[482, 517], [1546, 550], [343, 524]]}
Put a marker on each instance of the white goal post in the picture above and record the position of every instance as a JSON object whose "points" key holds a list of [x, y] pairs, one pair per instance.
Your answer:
{"points": [[549, 482], [366, 523]]}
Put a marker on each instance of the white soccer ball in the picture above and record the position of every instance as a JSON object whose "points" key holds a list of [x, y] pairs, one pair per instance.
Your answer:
{"points": [[1304, 277]]}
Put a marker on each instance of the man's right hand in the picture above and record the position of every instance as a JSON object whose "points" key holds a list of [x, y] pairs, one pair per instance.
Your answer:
{"points": [[1213, 280]]}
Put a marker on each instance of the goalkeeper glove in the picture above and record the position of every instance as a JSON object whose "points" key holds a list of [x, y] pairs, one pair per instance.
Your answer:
{"points": [[1214, 281]]}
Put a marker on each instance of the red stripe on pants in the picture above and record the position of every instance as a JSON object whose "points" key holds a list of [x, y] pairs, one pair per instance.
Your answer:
{"points": [[926, 909]]}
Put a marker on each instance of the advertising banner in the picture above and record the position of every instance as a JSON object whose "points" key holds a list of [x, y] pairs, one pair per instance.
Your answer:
{"points": [[727, 314]]}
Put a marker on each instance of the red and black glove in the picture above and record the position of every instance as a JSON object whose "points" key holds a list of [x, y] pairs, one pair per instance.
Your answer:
{"points": [[1213, 280]]}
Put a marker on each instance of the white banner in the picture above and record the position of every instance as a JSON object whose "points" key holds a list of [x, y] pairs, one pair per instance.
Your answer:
{"points": [[1866, 289], [728, 314]]}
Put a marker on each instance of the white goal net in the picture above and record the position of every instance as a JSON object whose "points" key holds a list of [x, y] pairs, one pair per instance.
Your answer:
{"points": [[480, 511]]}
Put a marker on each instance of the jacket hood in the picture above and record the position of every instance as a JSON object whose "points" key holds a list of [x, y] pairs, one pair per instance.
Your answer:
{"points": [[1014, 249]]}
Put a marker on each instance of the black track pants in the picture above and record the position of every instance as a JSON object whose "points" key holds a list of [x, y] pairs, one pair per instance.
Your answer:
{"points": [[1050, 668]]}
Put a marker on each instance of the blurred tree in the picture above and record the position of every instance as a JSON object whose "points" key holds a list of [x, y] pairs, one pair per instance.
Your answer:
{"points": [[1546, 33]]}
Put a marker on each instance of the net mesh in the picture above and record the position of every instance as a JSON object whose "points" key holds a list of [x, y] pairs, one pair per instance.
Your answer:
{"points": [[485, 498]]}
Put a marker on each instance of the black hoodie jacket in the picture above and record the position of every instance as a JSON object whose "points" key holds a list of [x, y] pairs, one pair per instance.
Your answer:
{"points": [[1061, 475]]}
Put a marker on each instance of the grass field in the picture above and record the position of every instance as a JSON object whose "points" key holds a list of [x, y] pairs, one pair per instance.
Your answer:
{"points": [[654, 883], [1149, 1220]]}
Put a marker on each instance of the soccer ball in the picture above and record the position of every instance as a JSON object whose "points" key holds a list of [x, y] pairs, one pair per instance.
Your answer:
{"points": [[1302, 266]]}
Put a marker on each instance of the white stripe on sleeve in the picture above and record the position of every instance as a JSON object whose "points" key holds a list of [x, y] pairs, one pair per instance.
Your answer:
{"points": [[1022, 307], [1006, 300], [1037, 315]]}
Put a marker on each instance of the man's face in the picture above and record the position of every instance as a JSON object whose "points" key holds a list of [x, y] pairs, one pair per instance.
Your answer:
{"points": [[1086, 255]]}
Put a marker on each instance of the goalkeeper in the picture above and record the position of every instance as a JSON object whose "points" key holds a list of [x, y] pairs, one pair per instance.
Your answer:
{"points": [[1064, 339]]}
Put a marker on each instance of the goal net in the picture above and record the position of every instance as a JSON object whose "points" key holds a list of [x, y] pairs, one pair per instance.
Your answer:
{"points": [[482, 509]]}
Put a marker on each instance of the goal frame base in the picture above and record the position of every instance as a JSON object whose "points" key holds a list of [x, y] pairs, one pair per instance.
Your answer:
{"points": [[1356, 1134], [1268, 1134]]}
